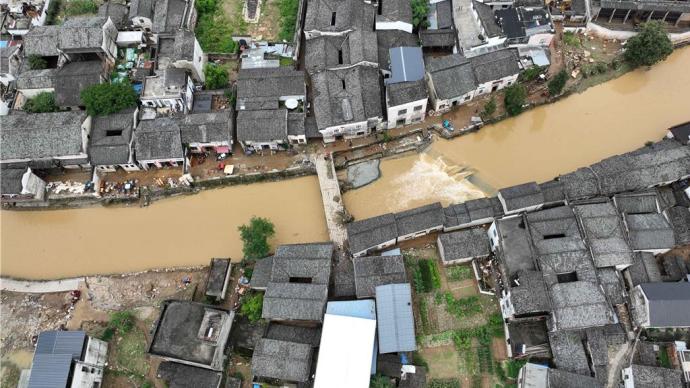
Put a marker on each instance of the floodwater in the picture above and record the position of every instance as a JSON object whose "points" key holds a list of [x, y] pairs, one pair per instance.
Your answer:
{"points": [[612, 118], [181, 231], [608, 119]]}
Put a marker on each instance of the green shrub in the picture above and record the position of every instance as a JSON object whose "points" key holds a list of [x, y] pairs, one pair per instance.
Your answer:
{"points": [[417, 359], [514, 99], [463, 307], [43, 102], [513, 368], [444, 383], [431, 278], [420, 10], [557, 83], [380, 381], [36, 62], [601, 67], [216, 76], [104, 99], [147, 384], [459, 272], [255, 237], [424, 315], [288, 19], [571, 39], [530, 74], [80, 7], [122, 321], [648, 47], [489, 108], [252, 305], [495, 325], [206, 6], [214, 33]]}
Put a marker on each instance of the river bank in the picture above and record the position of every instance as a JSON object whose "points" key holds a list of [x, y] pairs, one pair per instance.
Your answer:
{"points": [[188, 230]]}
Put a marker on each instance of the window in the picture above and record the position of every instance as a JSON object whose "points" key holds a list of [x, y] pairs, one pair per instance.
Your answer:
{"points": [[418, 108], [466, 98], [84, 369], [343, 83], [340, 57], [300, 280], [113, 132], [567, 277], [402, 111], [553, 236], [333, 19]]}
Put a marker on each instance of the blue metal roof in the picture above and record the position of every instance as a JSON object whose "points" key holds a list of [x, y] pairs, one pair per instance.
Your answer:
{"points": [[407, 65], [395, 321], [53, 357]]}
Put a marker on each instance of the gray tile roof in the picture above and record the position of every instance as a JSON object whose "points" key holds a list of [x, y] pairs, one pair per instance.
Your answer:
{"points": [[610, 279], [177, 375], [394, 319], [42, 41], [464, 244], [262, 88], [495, 65], [9, 62], [419, 219], [516, 251], [110, 139], [117, 12], [349, 15], [346, 96], [406, 92], [302, 335], [653, 377], [179, 47], [568, 352], [370, 232], [141, 8], [395, 11], [158, 139], [169, 15], [644, 269], [553, 191], [343, 279], [603, 232], [474, 210], [373, 271], [326, 51], [680, 221], [487, 19], [578, 305], [637, 203], [295, 124], [206, 127], [85, 32], [41, 135], [649, 231], [530, 297], [452, 75], [73, 78], [261, 275], [562, 379], [437, 38], [11, 182], [668, 303], [282, 360], [295, 301], [521, 196], [388, 39], [37, 79], [262, 125], [311, 261]]}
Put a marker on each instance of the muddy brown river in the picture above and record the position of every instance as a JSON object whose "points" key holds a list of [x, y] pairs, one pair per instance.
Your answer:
{"points": [[607, 119]]}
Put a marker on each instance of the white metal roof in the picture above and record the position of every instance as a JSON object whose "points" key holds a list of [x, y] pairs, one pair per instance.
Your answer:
{"points": [[345, 353]]}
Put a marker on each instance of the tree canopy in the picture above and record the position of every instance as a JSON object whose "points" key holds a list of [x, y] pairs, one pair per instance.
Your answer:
{"points": [[43, 102], [255, 237], [489, 108], [648, 47], [557, 83], [514, 99], [420, 10], [37, 62], [216, 76], [104, 99], [252, 305]]}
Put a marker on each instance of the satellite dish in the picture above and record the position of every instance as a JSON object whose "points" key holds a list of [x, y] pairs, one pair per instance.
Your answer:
{"points": [[291, 103]]}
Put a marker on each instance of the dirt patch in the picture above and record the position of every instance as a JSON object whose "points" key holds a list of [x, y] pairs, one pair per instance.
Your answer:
{"points": [[498, 349], [443, 361], [268, 26]]}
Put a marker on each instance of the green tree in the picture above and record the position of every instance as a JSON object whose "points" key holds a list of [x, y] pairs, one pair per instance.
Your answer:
{"points": [[557, 83], [489, 108], [514, 99], [41, 103], [80, 7], [648, 47], [216, 76], [206, 6], [380, 381], [255, 237], [36, 62], [104, 99], [420, 10], [252, 305]]}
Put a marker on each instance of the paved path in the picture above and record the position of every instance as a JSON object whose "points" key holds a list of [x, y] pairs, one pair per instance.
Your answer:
{"points": [[40, 287], [332, 200]]}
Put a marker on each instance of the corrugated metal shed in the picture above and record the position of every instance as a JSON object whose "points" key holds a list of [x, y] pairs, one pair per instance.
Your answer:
{"points": [[53, 357], [395, 319]]}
